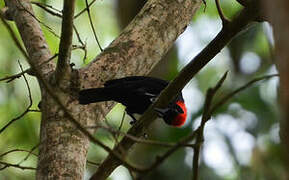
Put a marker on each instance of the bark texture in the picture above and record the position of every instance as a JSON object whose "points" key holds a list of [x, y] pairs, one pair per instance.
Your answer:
{"points": [[142, 43], [31, 34], [63, 149], [278, 12]]}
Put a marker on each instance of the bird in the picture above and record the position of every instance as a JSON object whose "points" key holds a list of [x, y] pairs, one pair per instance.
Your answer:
{"points": [[137, 93]]}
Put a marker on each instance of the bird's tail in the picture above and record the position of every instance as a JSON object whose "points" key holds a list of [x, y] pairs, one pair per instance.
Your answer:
{"points": [[93, 95]]}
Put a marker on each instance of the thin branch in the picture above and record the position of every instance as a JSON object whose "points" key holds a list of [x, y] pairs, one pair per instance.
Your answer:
{"points": [[7, 165], [12, 34], [82, 11], [40, 22], [15, 76], [48, 8], [224, 19], [232, 94], [205, 117], [82, 43], [91, 24], [140, 140], [28, 71], [161, 159], [29, 153], [15, 150], [63, 63], [27, 109], [93, 163]]}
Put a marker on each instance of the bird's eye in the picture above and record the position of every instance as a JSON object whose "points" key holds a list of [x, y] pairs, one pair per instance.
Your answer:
{"points": [[179, 109]]}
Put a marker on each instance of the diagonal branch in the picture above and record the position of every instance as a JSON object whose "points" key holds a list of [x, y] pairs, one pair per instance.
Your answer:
{"points": [[27, 109], [27, 71], [233, 93], [91, 24], [246, 16], [205, 117], [63, 63], [31, 34], [7, 165], [221, 13]]}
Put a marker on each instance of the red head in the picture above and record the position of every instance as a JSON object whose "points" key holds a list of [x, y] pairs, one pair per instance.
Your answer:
{"points": [[175, 114], [180, 118]]}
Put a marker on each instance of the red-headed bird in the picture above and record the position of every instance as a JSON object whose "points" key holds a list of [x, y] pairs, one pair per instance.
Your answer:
{"points": [[137, 93]]}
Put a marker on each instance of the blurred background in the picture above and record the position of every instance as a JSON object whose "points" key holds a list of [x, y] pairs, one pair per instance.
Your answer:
{"points": [[242, 138]]}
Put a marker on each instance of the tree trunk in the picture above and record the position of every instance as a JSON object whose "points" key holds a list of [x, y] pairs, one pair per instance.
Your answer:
{"points": [[278, 12]]}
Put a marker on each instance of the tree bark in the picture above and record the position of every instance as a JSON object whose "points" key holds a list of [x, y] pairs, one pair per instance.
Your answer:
{"points": [[278, 17]]}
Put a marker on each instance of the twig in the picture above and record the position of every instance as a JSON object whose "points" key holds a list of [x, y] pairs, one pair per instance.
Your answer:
{"points": [[42, 23], [13, 77], [12, 34], [93, 163], [28, 71], [81, 42], [62, 71], [140, 140], [82, 11], [7, 165], [27, 109], [29, 153], [58, 14], [91, 24], [48, 8], [15, 150], [224, 19], [161, 159], [232, 94], [205, 117]]}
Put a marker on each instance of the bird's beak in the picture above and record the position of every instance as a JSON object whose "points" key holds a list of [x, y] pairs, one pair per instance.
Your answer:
{"points": [[161, 112]]}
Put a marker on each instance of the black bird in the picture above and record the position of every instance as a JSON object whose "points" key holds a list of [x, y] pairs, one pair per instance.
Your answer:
{"points": [[137, 93]]}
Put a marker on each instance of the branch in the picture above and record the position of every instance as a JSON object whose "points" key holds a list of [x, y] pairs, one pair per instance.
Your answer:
{"points": [[232, 94], [16, 150], [31, 35], [221, 14], [63, 66], [27, 109], [85, 9], [246, 16], [48, 8], [13, 36], [91, 24], [7, 165], [205, 117], [28, 71]]}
